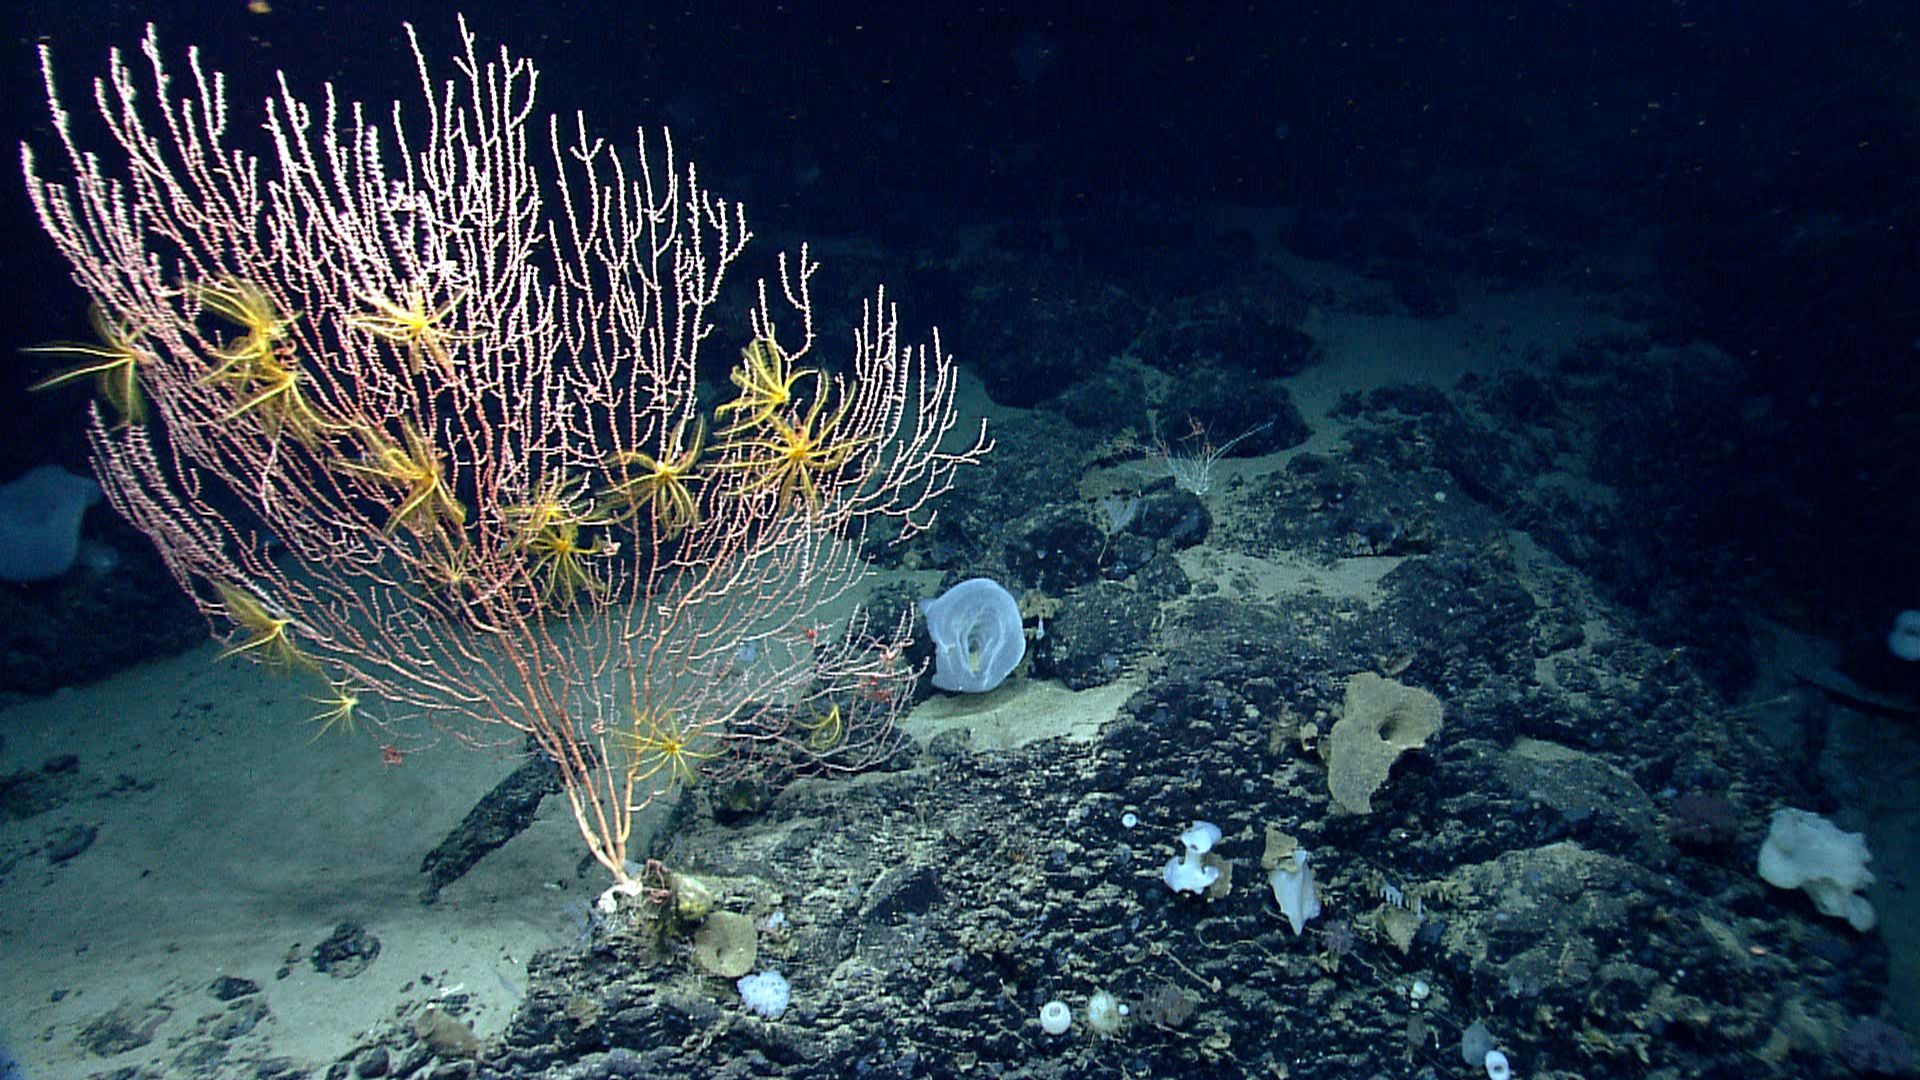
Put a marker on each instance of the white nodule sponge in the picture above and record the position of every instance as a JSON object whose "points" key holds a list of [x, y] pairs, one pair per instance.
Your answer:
{"points": [[1201, 837]]}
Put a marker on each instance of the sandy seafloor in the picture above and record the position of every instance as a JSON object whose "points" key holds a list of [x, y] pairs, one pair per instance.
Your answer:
{"points": [[230, 842]]}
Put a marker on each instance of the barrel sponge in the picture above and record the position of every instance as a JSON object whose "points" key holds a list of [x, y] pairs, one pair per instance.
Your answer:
{"points": [[40, 522], [1382, 719], [977, 637]]}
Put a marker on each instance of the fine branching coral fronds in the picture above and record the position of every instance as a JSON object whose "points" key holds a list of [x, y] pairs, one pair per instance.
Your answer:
{"points": [[660, 741], [660, 483], [114, 362], [766, 380], [430, 386], [416, 467], [258, 631], [412, 322]]}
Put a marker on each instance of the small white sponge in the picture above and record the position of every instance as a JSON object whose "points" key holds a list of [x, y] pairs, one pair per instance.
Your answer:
{"points": [[767, 993], [1806, 851], [1187, 873]]}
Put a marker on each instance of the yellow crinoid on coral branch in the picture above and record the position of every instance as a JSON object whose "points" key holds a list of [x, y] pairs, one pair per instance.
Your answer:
{"points": [[660, 740], [659, 483], [553, 501], [413, 324], [766, 380], [794, 455], [261, 633], [559, 562], [261, 365], [415, 466], [547, 528], [340, 710], [114, 362], [246, 305]]}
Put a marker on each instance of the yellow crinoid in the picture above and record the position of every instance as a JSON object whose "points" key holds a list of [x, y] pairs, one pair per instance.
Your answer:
{"points": [[659, 482], [413, 323], [417, 468], [553, 501], [794, 455], [258, 630], [273, 394], [114, 362], [766, 379], [547, 526], [246, 305], [825, 731], [261, 365], [560, 562], [460, 584], [341, 710], [659, 741]]}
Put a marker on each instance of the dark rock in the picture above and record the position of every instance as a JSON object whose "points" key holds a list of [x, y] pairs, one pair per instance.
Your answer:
{"points": [[1034, 328], [501, 814], [371, 1063], [1174, 515], [347, 952], [128, 1027], [51, 632], [1055, 548], [903, 891], [1095, 632], [64, 844], [28, 792], [202, 1057], [1126, 553], [1162, 579], [241, 1017], [228, 987], [1873, 1047], [1110, 401], [1225, 413], [1426, 296]]}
